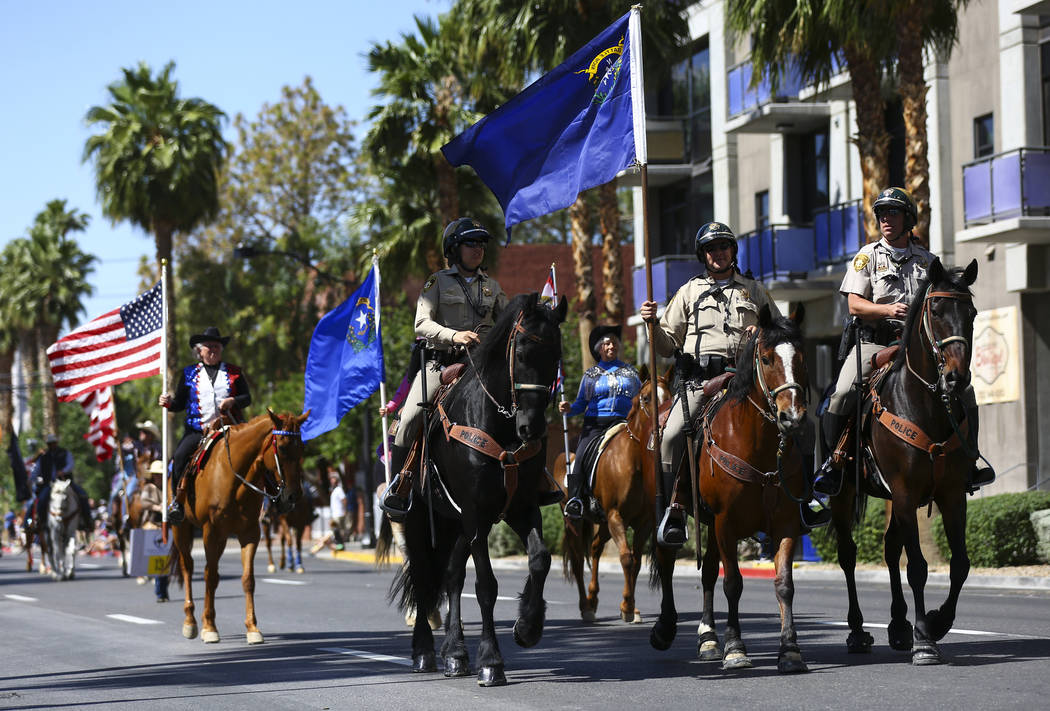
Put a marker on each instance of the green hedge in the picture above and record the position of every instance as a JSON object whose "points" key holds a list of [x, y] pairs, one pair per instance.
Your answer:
{"points": [[503, 541], [867, 535], [998, 530]]}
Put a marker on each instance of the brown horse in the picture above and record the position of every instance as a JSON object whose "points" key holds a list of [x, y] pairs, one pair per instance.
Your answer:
{"points": [[289, 528], [262, 457], [625, 486], [921, 395], [750, 477], [34, 529]]}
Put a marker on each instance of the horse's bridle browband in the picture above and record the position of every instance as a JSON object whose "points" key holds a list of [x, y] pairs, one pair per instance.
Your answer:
{"points": [[936, 346]]}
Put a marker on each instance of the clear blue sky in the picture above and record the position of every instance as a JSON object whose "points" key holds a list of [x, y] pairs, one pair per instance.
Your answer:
{"points": [[57, 57]]}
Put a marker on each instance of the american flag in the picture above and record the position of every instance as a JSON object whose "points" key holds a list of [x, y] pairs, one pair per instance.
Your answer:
{"points": [[118, 346], [102, 433]]}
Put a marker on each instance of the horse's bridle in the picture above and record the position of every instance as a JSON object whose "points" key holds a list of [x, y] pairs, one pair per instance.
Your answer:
{"points": [[274, 434], [936, 346], [771, 395], [515, 387]]}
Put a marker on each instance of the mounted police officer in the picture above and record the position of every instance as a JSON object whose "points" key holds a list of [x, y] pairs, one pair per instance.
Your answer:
{"points": [[207, 390], [880, 283], [705, 325], [604, 399], [456, 308]]}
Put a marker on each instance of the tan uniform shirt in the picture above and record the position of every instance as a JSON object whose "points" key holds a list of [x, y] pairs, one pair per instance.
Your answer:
{"points": [[449, 304], [705, 319], [881, 276]]}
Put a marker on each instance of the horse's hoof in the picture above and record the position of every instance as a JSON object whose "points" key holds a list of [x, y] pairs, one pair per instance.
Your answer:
{"points": [[300, 569], [859, 642], [492, 676], [900, 634], [791, 663], [271, 568], [708, 651], [524, 636], [588, 615], [189, 631], [637, 618], [736, 660], [660, 638], [454, 666], [253, 637], [210, 637], [423, 663], [925, 654]]}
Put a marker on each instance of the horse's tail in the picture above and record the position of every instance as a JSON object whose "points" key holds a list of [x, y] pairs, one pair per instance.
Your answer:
{"points": [[420, 584], [576, 541], [384, 542]]}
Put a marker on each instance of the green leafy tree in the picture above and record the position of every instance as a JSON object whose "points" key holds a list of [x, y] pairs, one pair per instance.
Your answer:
{"points": [[157, 159]]}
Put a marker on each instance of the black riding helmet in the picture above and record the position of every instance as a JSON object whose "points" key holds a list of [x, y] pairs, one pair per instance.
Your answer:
{"points": [[712, 232], [459, 231], [900, 199]]}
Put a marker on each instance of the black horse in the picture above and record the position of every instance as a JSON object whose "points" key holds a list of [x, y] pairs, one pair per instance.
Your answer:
{"points": [[918, 450], [496, 409]]}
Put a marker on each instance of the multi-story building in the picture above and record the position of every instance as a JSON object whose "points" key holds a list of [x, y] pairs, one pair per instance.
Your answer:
{"points": [[780, 168]]}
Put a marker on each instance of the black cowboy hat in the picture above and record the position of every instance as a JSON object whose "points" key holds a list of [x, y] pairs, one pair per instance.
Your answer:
{"points": [[600, 332], [210, 334]]}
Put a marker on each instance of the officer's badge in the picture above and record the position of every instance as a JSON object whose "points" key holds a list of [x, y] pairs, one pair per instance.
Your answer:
{"points": [[859, 262], [429, 283], [487, 291]]}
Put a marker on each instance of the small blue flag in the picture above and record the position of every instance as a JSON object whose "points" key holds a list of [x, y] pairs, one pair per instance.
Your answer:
{"points": [[567, 132], [345, 364]]}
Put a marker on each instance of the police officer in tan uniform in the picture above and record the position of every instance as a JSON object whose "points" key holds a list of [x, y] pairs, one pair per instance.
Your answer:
{"points": [[456, 308], [707, 321], [879, 284]]}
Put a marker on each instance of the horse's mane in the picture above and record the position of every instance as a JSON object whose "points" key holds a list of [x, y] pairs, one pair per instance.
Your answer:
{"points": [[496, 339], [782, 330], [952, 278]]}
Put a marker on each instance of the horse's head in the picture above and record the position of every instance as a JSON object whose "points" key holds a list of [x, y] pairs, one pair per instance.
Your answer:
{"points": [[285, 451], [642, 404], [780, 370], [946, 323], [533, 352]]}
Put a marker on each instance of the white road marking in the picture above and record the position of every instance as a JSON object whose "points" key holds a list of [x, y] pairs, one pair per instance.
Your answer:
{"points": [[368, 655], [953, 630], [20, 598], [88, 566], [280, 581], [134, 620], [503, 598]]}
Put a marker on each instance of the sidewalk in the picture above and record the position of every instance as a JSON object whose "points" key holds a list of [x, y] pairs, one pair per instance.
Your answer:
{"points": [[1035, 578]]}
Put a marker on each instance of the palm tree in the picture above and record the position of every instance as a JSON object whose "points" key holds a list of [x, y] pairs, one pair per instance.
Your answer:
{"points": [[157, 161]]}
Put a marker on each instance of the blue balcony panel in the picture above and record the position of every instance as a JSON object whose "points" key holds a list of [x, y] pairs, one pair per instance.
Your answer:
{"points": [[669, 273], [838, 232], [1012, 184]]}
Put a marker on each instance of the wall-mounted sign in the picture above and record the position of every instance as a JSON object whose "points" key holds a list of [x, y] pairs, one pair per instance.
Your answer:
{"points": [[996, 366]]}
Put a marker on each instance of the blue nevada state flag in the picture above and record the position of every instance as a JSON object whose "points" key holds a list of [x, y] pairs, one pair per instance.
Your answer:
{"points": [[345, 364], [567, 132]]}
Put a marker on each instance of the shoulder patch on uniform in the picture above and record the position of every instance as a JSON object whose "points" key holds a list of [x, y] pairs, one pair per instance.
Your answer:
{"points": [[860, 261], [429, 283]]}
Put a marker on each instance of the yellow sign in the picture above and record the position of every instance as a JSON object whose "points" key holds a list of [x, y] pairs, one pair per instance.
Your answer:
{"points": [[996, 366], [158, 565]]}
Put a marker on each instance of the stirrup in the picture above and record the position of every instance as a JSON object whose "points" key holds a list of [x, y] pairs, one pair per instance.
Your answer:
{"points": [[979, 476], [176, 515], [672, 532], [574, 509], [396, 507], [814, 518], [828, 480]]}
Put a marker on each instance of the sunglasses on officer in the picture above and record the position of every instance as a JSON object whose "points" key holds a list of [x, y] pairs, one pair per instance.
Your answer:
{"points": [[888, 212], [473, 243]]}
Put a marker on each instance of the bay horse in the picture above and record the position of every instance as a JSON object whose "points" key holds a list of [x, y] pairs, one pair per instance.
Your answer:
{"points": [[289, 528], [34, 528], [920, 397], [625, 485], [63, 517], [261, 457], [489, 468], [750, 476]]}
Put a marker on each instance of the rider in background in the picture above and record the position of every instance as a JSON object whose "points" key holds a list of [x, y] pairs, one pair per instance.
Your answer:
{"points": [[207, 389], [882, 280], [57, 463], [604, 399], [456, 308]]}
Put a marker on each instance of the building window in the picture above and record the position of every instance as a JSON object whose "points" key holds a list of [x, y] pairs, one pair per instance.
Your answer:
{"points": [[687, 97], [983, 136], [1044, 63], [806, 175], [762, 210]]}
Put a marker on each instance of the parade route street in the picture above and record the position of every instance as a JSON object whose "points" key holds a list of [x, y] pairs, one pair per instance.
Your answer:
{"points": [[333, 642]]}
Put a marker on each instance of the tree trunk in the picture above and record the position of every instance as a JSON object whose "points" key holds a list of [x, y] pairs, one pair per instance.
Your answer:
{"points": [[913, 102], [612, 263], [872, 140], [580, 216], [7, 402], [45, 336]]}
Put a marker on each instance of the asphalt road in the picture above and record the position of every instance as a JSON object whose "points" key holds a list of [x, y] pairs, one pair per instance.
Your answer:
{"points": [[332, 641]]}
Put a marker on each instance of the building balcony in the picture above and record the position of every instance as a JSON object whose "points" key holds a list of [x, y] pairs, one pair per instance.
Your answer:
{"points": [[760, 110], [669, 273], [676, 145], [1006, 197], [839, 233]]}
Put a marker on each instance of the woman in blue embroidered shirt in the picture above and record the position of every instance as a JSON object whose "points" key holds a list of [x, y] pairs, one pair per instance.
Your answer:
{"points": [[604, 400], [207, 390]]}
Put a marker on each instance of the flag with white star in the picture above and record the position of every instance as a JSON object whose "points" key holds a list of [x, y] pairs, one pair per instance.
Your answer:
{"points": [[345, 363]]}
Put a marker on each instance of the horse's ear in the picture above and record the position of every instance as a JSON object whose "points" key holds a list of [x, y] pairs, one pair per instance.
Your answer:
{"points": [[643, 374], [274, 418], [667, 373], [562, 308], [799, 314], [765, 318], [936, 271], [969, 276], [302, 418]]}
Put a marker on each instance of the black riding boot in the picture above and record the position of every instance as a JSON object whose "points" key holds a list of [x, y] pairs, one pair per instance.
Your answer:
{"points": [[829, 478], [981, 474], [812, 518], [671, 532], [176, 513], [574, 506], [397, 497]]}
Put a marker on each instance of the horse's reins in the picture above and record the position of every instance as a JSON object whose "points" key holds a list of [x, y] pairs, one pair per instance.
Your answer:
{"points": [[267, 479]]}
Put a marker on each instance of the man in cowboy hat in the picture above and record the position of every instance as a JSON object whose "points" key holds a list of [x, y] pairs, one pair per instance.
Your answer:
{"points": [[207, 390]]}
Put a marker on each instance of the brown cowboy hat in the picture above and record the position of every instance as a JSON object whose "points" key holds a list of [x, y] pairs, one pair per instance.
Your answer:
{"points": [[150, 427], [600, 332], [210, 334]]}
